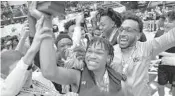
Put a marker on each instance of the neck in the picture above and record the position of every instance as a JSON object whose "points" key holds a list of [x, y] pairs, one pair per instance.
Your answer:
{"points": [[128, 49], [99, 74]]}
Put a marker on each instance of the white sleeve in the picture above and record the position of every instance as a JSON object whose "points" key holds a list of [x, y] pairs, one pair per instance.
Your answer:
{"points": [[15, 80], [162, 43]]}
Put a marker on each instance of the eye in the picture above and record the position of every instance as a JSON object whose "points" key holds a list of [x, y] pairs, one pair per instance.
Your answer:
{"points": [[99, 52], [62, 46]]}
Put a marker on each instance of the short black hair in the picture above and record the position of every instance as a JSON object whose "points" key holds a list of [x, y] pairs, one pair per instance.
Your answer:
{"points": [[171, 15], [107, 45], [135, 18], [68, 24], [115, 16], [61, 36]]}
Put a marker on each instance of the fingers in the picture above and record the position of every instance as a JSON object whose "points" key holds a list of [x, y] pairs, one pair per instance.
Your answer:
{"points": [[40, 23], [44, 36], [45, 33], [45, 29], [32, 5]]}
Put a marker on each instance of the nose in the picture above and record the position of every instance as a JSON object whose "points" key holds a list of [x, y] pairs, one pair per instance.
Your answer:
{"points": [[123, 33], [92, 56], [100, 27], [67, 46]]}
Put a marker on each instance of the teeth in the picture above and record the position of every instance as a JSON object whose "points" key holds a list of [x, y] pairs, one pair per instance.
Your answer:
{"points": [[92, 62]]}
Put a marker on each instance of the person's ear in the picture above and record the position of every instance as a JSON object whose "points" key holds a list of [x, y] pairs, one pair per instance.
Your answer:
{"points": [[113, 24], [108, 60], [139, 36]]}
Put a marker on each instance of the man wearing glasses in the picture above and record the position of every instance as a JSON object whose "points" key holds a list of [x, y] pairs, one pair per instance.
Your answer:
{"points": [[132, 57]]}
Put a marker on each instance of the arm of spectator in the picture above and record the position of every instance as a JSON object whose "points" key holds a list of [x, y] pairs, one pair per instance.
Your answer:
{"points": [[25, 33], [166, 54], [168, 61], [77, 31], [162, 43], [15, 80], [48, 64]]}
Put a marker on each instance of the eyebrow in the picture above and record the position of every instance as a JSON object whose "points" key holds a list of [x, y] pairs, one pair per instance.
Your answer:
{"points": [[100, 49]]}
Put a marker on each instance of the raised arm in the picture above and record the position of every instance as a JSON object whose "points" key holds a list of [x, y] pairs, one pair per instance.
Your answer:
{"points": [[162, 43], [25, 34], [48, 65], [16, 79]]}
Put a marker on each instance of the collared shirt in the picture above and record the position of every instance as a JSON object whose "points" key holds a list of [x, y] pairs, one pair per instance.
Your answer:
{"points": [[137, 71]]}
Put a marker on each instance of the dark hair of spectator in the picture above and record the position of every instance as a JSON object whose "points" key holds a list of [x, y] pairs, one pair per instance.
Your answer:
{"points": [[135, 18], [104, 42], [115, 16], [61, 36]]}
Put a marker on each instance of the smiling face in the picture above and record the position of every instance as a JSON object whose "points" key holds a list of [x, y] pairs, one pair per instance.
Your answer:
{"points": [[96, 57], [128, 33], [64, 44]]}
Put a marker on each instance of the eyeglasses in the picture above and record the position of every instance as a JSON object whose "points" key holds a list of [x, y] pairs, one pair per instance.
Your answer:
{"points": [[127, 29]]}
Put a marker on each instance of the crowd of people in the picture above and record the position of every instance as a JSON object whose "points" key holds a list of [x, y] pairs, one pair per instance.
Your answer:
{"points": [[111, 58]]}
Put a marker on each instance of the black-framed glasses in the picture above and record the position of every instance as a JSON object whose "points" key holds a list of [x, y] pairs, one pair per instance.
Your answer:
{"points": [[127, 29]]}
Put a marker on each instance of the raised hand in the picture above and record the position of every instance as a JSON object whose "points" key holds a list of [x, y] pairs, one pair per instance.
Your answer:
{"points": [[34, 12], [80, 52], [25, 30], [80, 19]]}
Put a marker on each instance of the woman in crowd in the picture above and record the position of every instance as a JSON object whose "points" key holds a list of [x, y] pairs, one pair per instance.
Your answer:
{"points": [[96, 73]]}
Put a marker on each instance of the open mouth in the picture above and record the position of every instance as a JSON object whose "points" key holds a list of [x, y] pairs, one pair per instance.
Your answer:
{"points": [[92, 62], [123, 41]]}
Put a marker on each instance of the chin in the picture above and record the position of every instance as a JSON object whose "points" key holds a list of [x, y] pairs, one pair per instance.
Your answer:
{"points": [[123, 46], [92, 68]]}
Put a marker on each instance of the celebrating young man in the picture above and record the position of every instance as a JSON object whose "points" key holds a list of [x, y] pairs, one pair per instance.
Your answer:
{"points": [[132, 58]]}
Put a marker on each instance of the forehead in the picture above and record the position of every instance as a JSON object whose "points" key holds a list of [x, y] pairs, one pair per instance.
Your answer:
{"points": [[105, 19], [97, 45], [130, 23], [71, 28], [64, 41]]}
